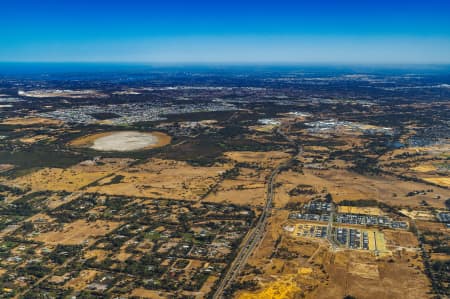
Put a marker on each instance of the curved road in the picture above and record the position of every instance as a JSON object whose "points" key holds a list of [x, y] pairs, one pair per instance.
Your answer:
{"points": [[256, 235]]}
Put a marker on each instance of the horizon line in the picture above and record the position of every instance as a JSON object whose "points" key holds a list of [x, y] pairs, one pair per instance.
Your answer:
{"points": [[233, 63]]}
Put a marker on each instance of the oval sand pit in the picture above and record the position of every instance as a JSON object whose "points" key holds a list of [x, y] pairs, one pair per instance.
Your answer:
{"points": [[122, 141]]}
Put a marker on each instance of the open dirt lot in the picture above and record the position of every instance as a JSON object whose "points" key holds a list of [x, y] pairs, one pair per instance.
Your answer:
{"points": [[363, 276]]}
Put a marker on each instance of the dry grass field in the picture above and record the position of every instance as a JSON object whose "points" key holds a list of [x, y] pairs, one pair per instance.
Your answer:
{"points": [[163, 179], [35, 138], [441, 181], [58, 179], [70, 179], [401, 239], [287, 181], [149, 294], [55, 201], [429, 164], [345, 185], [98, 254], [316, 149], [158, 178], [430, 151], [440, 257], [238, 192], [431, 226], [262, 159], [247, 188], [360, 210], [31, 121], [364, 270], [82, 280], [424, 168], [418, 214], [77, 232], [207, 286]]}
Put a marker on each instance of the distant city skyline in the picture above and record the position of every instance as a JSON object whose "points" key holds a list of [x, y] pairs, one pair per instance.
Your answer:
{"points": [[373, 32]]}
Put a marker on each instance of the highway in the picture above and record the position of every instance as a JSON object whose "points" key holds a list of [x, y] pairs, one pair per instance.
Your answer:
{"points": [[255, 236]]}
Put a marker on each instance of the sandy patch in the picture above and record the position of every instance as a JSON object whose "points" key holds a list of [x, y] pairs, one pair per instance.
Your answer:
{"points": [[285, 287]]}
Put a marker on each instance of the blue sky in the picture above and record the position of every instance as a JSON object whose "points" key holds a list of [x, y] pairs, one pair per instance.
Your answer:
{"points": [[230, 31]]}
